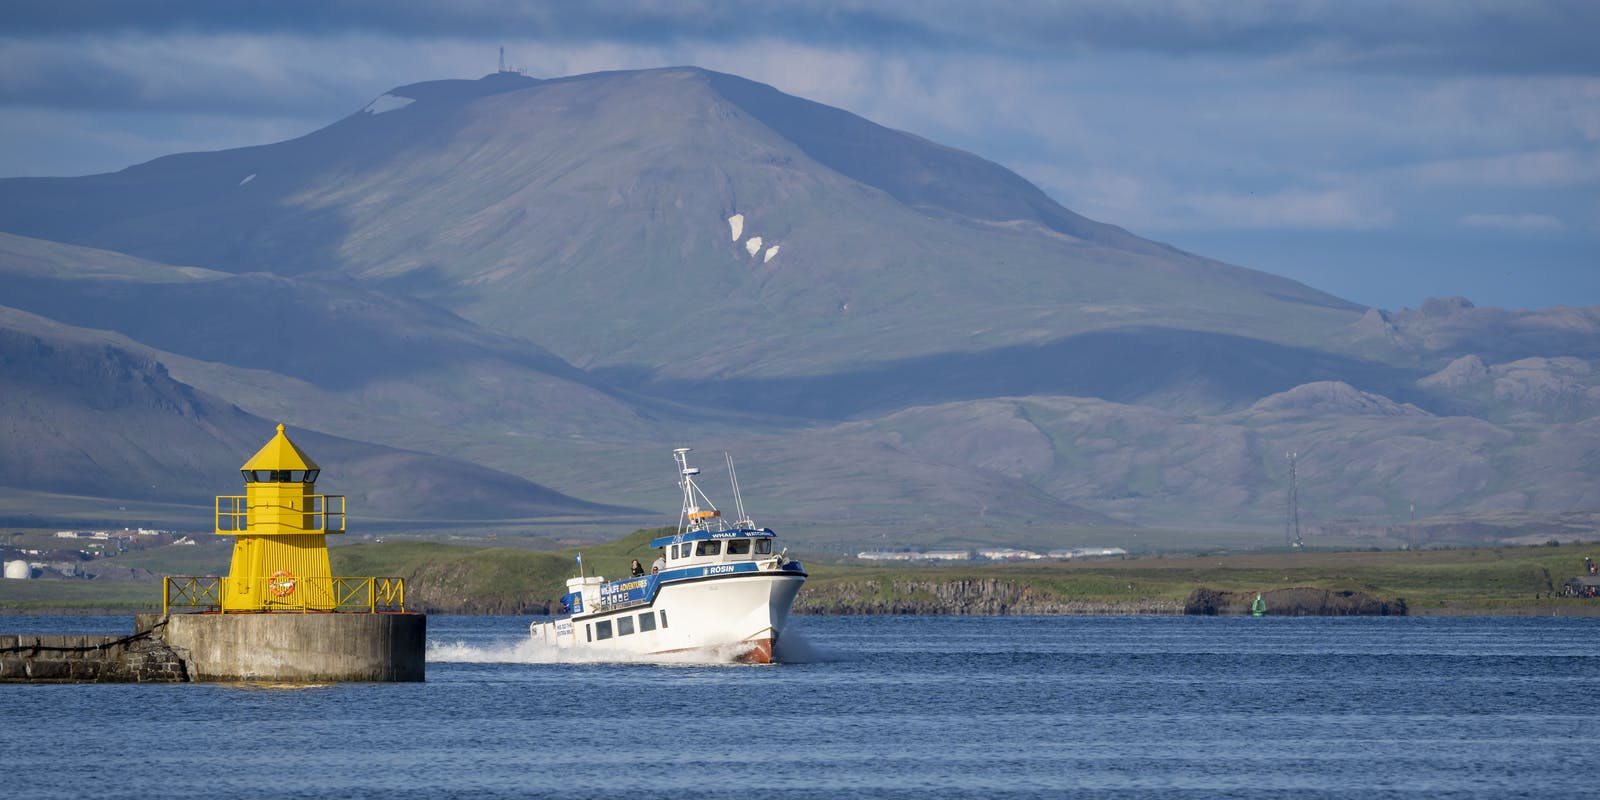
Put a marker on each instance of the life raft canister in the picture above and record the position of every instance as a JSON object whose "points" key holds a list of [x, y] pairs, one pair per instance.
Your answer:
{"points": [[282, 584]]}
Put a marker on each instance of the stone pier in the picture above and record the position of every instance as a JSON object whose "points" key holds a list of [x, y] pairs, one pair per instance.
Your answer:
{"points": [[78, 658]]}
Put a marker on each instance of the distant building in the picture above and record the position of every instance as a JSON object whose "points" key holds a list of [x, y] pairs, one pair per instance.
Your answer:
{"points": [[1008, 554], [82, 535], [948, 555], [1089, 552], [887, 555]]}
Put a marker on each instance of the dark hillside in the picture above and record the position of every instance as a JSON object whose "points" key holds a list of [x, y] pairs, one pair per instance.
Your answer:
{"points": [[88, 413]]}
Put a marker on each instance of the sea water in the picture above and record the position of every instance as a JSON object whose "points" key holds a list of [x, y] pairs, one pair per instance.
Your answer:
{"points": [[898, 707]]}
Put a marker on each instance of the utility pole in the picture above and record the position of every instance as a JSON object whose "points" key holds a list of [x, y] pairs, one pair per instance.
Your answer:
{"points": [[1291, 522], [502, 58]]}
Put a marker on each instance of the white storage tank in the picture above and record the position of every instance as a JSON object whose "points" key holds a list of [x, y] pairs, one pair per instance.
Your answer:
{"points": [[18, 570]]}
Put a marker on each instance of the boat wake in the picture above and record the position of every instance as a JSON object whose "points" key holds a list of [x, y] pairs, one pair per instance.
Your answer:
{"points": [[536, 652], [795, 648]]}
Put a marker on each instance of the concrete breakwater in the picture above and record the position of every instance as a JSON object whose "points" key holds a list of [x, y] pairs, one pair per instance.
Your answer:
{"points": [[309, 648], [293, 648], [138, 658]]}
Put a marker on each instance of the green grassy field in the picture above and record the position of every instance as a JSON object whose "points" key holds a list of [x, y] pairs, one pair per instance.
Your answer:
{"points": [[470, 579]]}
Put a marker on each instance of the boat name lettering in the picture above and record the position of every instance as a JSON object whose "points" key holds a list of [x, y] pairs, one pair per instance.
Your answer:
{"points": [[719, 570], [623, 587]]}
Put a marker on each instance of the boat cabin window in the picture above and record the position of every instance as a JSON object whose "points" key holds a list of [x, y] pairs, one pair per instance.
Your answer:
{"points": [[588, 633], [739, 547], [602, 630], [663, 618], [708, 548], [763, 547], [674, 552], [624, 626], [647, 621]]}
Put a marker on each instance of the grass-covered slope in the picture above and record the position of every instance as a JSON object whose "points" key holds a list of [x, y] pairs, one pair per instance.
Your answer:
{"points": [[478, 580], [459, 579]]}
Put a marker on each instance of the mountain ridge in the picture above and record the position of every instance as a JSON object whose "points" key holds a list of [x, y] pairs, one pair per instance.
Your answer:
{"points": [[554, 281]]}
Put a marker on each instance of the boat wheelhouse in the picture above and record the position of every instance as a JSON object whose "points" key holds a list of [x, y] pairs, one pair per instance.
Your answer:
{"points": [[715, 585]]}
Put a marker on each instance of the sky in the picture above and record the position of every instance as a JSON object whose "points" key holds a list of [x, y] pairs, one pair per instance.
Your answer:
{"points": [[1385, 152]]}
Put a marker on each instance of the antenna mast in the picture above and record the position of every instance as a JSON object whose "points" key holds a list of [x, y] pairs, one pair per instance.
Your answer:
{"points": [[502, 58]]}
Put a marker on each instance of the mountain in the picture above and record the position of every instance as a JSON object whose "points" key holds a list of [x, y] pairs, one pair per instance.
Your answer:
{"points": [[545, 285], [591, 215], [88, 413]]}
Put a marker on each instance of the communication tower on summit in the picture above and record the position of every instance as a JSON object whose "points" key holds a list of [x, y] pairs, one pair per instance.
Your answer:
{"points": [[503, 69]]}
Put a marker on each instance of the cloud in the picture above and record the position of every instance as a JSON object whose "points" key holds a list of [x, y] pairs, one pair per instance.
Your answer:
{"points": [[1489, 36], [237, 74], [1536, 169], [1513, 222]]}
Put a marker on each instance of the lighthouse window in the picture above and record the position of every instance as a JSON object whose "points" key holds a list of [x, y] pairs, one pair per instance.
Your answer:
{"points": [[311, 475], [708, 548], [763, 547], [647, 622], [602, 630], [739, 547], [624, 626]]}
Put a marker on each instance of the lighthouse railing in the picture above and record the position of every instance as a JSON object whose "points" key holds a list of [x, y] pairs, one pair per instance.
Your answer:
{"points": [[323, 513], [298, 595]]}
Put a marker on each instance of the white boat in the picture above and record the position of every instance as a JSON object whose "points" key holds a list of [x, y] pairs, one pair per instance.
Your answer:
{"points": [[716, 586]]}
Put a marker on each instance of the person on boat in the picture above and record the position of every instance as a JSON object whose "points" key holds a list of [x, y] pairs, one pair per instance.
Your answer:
{"points": [[659, 564], [637, 568]]}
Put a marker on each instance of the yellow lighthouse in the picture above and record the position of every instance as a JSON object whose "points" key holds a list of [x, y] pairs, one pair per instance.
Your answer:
{"points": [[280, 555]]}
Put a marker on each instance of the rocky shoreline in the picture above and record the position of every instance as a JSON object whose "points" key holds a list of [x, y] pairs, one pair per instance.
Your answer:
{"points": [[992, 596], [981, 597]]}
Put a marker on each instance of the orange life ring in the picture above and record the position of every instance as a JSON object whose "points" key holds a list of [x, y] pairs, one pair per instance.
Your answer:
{"points": [[282, 583]]}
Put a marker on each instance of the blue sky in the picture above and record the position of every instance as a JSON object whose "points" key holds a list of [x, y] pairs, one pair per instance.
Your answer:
{"points": [[1383, 151]]}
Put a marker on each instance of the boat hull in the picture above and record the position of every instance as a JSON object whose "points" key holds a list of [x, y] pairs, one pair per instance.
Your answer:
{"points": [[737, 617]]}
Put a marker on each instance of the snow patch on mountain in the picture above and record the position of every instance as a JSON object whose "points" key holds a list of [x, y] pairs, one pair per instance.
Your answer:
{"points": [[388, 102]]}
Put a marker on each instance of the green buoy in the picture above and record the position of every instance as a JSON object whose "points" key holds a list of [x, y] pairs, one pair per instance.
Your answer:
{"points": [[1259, 607]]}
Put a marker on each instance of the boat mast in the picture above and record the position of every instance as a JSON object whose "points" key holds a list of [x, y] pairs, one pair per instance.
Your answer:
{"points": [[744, 522], [694, 515]]}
